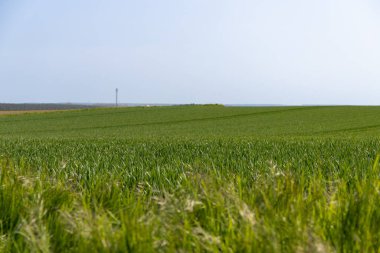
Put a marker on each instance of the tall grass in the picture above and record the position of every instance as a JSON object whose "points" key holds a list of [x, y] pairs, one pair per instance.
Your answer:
{"points": [[173, 195]]}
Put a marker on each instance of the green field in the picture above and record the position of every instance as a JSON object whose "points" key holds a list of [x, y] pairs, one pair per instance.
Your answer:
{"points": [[191, 179]]}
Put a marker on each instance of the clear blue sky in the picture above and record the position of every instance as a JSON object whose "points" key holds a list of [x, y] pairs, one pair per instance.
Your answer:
{"points": [[191, 51]]}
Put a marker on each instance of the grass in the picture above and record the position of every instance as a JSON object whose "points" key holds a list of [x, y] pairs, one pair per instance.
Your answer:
{"points": [[191, 179]]}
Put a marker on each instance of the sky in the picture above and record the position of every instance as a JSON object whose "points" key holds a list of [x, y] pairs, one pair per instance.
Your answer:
{"points": [[288, 52]]}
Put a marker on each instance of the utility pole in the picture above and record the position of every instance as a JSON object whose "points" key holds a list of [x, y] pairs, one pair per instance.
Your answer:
{"points": [[117, 91]]}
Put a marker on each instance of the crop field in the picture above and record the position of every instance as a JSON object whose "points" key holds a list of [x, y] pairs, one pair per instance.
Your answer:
{"points": [[23, 112], [191, 179]]}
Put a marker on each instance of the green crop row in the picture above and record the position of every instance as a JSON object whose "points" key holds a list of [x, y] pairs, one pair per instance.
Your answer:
{"points": [[196, 122]]}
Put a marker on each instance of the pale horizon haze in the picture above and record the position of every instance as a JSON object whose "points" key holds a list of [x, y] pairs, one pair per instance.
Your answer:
{"points": [[195, 51]]}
